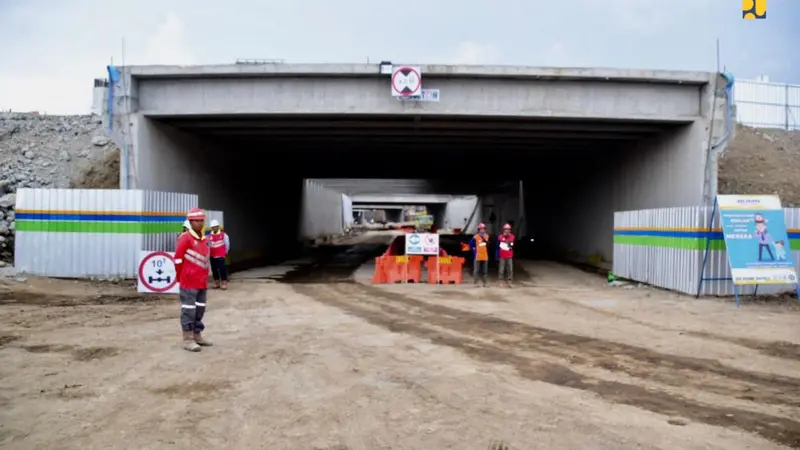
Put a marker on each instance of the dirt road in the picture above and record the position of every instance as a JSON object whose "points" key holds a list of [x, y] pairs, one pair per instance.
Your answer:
{"points": [[563, 362]]}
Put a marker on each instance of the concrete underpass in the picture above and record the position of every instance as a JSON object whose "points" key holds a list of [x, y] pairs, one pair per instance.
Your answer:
{"points": [[574, 145]]}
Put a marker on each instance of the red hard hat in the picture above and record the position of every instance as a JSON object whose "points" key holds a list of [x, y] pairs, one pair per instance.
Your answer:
{"points": [[481, 225], [507, 226], [196, 214]]}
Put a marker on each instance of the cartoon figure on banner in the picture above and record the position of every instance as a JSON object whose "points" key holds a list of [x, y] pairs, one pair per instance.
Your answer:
{"points": [[780, 250], [764, 238]]}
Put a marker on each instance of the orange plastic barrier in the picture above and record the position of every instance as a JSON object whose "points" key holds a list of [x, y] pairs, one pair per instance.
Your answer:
{"points": [[450, 270], [379, 276], [399, 269]]}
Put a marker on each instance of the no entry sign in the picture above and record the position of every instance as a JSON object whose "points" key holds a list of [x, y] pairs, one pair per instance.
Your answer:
{"points": [[157, 273], [406, 81]]}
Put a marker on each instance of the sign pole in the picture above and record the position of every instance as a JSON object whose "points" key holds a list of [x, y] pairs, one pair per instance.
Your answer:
{"points": [[438, 274]]}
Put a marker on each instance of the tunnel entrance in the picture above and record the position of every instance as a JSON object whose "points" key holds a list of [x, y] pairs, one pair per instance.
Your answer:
{"points": [[568, 176]]}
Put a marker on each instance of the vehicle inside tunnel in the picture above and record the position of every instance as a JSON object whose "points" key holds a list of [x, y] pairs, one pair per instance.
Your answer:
{"points": [[558, 180]]}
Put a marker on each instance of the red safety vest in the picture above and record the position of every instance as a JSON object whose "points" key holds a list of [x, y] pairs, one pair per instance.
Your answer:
{"points": [[508, 242], [216, 241], [191, 261]]}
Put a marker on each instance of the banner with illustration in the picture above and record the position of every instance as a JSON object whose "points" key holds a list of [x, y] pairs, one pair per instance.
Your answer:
{"points": [[756, 239]]}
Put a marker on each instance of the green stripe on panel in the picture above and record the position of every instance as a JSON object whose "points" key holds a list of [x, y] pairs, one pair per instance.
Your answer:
{"points": [[63, 226], [681, 243]]}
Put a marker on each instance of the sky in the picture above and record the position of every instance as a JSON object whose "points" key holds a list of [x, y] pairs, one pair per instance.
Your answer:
{"points": [[52, 49]]}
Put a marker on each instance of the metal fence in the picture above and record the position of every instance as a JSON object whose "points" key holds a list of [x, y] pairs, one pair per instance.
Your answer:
{"points": [[665, 248], [767, 105], [82, 233]]}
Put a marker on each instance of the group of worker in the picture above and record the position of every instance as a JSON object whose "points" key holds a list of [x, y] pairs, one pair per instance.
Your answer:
{"points": [[194, 253], [479, 245], [220, 245], [197, 250]]}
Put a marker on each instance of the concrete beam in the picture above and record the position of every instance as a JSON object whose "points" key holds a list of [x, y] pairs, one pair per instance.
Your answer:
{"points": [[399, 136], [415, 199], [367, 126], [428, 71], [362, 207], [528, 98]]}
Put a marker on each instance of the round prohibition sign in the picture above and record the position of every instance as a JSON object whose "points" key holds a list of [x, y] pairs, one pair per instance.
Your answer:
{"points": [[430, 240], [143, 277], [402, 75]]}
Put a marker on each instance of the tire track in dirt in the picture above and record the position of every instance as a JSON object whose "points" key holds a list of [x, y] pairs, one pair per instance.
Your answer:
{"points": [[780, 349], [423, 320], [638, 362]]}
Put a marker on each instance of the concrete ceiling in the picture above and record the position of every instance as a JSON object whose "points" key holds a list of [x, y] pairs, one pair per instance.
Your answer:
{"points": [[416, 133], [455, 154]]}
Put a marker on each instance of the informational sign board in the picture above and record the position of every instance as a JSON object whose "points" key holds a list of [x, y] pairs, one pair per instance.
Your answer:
{"points": [[422, 244], [406, 81], [756, 239], [157, 273]]}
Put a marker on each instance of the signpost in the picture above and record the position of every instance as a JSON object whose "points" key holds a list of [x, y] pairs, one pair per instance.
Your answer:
{"points": [[406, 81], [157, 273], [423, 244], [757, 242]]}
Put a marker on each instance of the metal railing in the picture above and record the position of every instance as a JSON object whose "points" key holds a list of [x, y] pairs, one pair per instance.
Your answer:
{"points": [[762, 104]]}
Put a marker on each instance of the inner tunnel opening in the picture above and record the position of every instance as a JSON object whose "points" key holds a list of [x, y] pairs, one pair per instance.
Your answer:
{"points": [[278, 178]]}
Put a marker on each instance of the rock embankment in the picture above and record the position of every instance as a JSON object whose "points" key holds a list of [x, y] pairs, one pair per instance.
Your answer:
{"points": [[38, 151]]}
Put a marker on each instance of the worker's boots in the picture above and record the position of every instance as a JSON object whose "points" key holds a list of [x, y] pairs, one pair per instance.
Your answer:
{"points": [[224, 285], [198, 339], [189, 343]]}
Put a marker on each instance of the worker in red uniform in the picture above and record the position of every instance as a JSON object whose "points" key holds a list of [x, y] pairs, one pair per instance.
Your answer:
{"points": [[505, 254], [480, 253], [220, 244], [191, 265]]}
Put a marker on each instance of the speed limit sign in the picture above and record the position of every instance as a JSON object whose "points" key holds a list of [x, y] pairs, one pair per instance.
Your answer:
{"points": [[157, 273]]}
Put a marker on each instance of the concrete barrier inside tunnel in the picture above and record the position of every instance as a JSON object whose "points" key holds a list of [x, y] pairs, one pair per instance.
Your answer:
{"points": [[575, 174]]}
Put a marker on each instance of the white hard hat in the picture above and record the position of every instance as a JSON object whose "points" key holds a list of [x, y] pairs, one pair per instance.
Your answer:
{"points": [[186, 224], [214, 223]]}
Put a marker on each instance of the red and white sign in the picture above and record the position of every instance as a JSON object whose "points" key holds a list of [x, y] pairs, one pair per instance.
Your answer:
{"points": [[157, 273], [406, 81]]}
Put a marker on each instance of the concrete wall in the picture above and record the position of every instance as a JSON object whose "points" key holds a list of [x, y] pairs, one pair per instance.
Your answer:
{"points": [[322, 212], [347, 210], [505, 208], [256, 218], [458, 210], [573, 215]]}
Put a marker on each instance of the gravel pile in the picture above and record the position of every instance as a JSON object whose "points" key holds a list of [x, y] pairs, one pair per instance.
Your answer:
{"points": [[39, 151]]}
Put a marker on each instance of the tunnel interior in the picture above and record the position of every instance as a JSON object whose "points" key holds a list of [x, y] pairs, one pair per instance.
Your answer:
{"points": [[571, 175]]}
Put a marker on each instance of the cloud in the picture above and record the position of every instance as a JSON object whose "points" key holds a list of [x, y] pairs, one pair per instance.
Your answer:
{"points": [[471, 53], [70, 94], [642, 16], [169, 44], [557, 55]]}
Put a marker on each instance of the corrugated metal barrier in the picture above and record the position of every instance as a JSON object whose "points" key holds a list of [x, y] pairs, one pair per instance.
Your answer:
{"points": [[665, 248], [80, 233]]}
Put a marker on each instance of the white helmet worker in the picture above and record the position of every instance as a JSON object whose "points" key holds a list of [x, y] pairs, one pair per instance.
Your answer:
{"points": [[214, 223]]}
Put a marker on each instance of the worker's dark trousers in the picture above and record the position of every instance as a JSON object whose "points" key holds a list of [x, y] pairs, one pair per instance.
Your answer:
{"points": [[480, 271], [193, 308], [506, 268], [218, 269]]}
